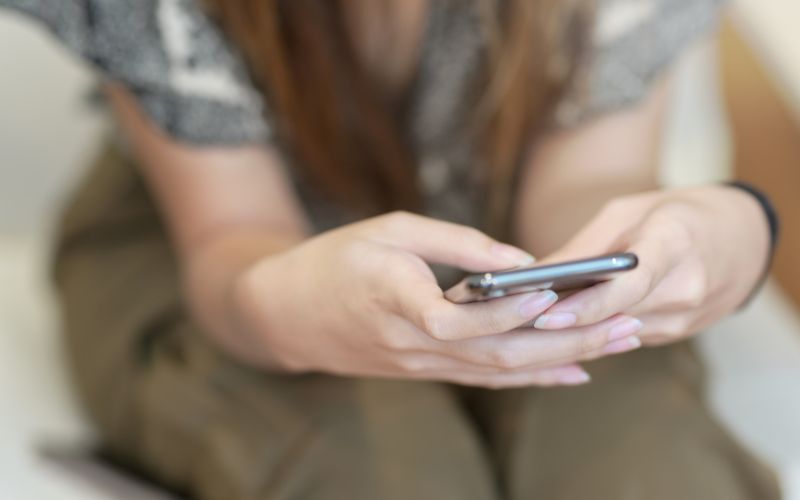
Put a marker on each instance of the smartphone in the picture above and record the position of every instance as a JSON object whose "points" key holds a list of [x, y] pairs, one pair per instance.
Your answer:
{"points": [[557, 277]]}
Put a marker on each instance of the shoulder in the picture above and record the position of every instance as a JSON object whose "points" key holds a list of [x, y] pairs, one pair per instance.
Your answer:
{"points": [[634, 42], [170, 55]]}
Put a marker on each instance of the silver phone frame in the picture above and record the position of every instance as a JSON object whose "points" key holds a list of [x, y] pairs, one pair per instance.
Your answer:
{"points": [[558, 277]]}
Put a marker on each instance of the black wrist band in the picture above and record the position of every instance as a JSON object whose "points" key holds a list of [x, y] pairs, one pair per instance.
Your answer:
{"points": [[774, 227]]}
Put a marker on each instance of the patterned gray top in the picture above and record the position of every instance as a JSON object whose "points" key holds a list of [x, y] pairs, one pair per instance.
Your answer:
{"points": [[193, 83]]}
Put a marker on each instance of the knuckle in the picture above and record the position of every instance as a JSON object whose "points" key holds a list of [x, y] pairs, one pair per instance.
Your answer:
{"points": [[395, 340], [577, 346], [430, 322], [400, 266], [677, 234], [590, 342], [696, 288], [398, 220], [676, 328], [505, 360], [690, 300], [670, 221], [645, 280], [592, 312], [595, 341], [411, 364]]}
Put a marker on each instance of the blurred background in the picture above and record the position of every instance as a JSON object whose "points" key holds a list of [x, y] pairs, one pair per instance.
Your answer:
{"points": [[736, 113]]}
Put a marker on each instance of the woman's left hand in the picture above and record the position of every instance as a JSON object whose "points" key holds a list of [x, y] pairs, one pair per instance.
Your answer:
{"points": [[701, 252]]}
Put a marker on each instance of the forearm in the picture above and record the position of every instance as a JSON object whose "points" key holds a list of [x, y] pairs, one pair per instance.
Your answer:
{"points": [[553, 212], [571, 174], [211, 272], [226, 208]]}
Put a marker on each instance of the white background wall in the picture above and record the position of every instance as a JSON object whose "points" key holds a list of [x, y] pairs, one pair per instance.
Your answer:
{"points": [[47, 133]]}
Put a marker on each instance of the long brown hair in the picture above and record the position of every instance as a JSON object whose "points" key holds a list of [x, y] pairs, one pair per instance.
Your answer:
{"points": [[346, 132]]}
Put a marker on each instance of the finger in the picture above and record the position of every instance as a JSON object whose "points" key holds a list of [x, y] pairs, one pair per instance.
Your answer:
{"points": [[622, 345], [668, 328], [618, 295], [546, 377], [446, 243], [683, 288], [528, 348], [429, 363], [662, 329], [614, 348], [443, 320]]}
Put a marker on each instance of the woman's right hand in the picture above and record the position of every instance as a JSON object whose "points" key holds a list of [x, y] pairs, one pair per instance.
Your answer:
{"points": [[361, 301]]}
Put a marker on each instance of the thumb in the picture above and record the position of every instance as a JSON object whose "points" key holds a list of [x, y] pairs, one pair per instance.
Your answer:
{"points": [[440, 242]]}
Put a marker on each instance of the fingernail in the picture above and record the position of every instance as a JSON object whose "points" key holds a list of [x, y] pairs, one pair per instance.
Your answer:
{"points": [[512, 254], [624, 329], [537, 303], [575, 378], [555, 321], [624, 345]]}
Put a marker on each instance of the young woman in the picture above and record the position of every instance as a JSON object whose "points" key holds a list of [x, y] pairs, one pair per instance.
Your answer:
{"points": [[310, 159]]}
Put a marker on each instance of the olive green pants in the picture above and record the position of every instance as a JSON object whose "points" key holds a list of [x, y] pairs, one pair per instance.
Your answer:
{"points": [[168, 402]]}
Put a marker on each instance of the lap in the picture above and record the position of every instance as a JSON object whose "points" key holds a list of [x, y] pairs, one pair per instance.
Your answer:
{"points": [[225, 431], [641, 429], [167, 400], [169, 403]]}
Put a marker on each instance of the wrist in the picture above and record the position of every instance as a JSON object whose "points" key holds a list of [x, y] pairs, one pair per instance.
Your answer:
{"points": [[730, 234], [771, 221], [215, 276], [743, 247]]}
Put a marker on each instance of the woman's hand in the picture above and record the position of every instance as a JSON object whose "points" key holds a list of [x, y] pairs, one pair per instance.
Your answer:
{"points": [[701, 251], [362, 301]]}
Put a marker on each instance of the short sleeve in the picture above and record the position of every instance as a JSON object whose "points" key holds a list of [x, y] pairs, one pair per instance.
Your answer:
{"points": [[634, 42], [170, 55]]}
